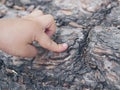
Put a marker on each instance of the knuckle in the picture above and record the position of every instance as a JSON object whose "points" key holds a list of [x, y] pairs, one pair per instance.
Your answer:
{"points": [[39, 11], [50, 16]]}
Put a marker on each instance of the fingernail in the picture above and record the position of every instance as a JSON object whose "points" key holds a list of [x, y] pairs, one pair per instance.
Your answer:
{"points": [[65, 45]]}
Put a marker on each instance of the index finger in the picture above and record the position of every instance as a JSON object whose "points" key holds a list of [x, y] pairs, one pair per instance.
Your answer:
{"points": [[45, 41]]}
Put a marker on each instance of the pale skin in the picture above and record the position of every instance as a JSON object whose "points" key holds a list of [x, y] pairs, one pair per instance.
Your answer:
{"points": [[17, 34]]}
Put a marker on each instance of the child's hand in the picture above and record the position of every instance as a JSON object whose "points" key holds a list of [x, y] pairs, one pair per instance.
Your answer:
{"points": [[16, 35]]}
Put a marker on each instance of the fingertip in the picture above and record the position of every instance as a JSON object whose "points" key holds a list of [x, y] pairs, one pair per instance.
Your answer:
{"points": [[65, 45]]}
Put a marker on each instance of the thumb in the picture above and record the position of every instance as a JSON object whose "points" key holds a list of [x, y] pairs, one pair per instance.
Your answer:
{"points": [[49, 44]]}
